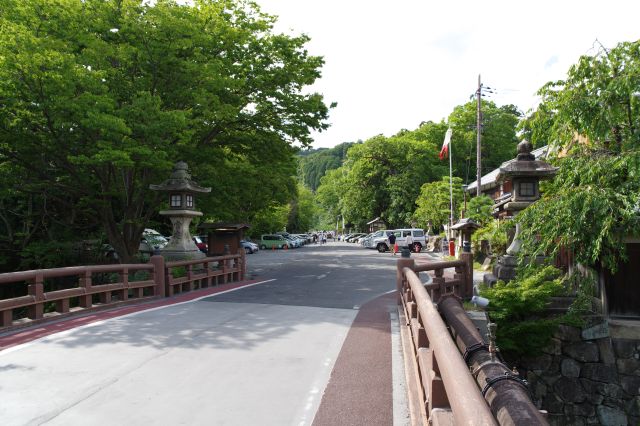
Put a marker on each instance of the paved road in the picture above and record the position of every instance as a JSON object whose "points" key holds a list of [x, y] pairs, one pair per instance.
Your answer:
{"points": [[310, 341]]}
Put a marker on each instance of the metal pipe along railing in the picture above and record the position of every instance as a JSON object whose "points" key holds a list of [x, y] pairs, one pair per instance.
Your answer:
{"points": [[467, 404], [505, 393]]}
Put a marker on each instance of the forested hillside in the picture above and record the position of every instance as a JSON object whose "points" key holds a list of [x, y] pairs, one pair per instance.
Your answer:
{"points": [[313, 164]]}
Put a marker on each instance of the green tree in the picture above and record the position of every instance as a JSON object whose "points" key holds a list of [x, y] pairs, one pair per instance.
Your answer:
{"points": [[592, 204], [599, 99], [499, 140], [434, 202], [99, 98], [480, 209], [270, 219], [302, 215], [383, 175], [314, 164]]}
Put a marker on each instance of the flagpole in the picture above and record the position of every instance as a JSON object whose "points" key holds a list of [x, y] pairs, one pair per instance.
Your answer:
{"points": [[450, 190]]}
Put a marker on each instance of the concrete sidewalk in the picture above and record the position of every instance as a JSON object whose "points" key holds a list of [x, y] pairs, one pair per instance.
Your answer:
{"points": [[208, 362]]}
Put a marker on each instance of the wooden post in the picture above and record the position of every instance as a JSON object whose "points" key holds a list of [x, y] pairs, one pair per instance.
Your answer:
{"points": [[85, 283], [402, 263], [36, 289], [158, 274], [467, 291]]}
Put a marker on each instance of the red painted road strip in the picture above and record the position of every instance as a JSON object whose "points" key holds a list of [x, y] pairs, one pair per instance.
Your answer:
{"points": [[36, 332], [360, 390]]}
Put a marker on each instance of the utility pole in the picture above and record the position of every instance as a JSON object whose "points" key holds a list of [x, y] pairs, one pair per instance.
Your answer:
{"points": [[479, 138]]}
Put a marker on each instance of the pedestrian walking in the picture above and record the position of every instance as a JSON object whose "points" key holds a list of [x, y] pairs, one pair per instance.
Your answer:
{"points": [[392, 243], [409, 242]]}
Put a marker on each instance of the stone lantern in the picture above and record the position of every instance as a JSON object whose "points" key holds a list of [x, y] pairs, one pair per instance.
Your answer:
{"points": [[182, 209], [525, 174], [466, 227]]}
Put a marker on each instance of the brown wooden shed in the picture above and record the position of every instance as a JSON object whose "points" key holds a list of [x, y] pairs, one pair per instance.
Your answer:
{"points": [[224, 238]]}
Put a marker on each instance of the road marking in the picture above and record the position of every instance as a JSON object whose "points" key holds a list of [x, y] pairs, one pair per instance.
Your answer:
{"points": [[400, 408], [322, 276]]}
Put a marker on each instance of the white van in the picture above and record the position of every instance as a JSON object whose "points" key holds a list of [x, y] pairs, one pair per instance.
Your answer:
{"points": [[379, 240], [419, 240]]}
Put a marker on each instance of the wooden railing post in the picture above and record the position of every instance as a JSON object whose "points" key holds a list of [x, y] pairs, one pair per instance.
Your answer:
{"points": [[400, 278], [468, 272], [243, 264], [124, 279], [36, 289], [85, 300], [158, 274]]}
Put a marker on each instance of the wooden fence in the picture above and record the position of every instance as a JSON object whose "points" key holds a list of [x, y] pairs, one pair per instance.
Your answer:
{"points": [[441, 389], [99, 286]]}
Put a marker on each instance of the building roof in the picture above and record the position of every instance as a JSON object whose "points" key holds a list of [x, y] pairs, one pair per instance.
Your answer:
{"points": [[374, 220], [223, 226], [489, 180]]}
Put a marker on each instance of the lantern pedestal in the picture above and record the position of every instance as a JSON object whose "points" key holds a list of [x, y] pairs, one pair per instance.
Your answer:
{"points": [[181, 245]]}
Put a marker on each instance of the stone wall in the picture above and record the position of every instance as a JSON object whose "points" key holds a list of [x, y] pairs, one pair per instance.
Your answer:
{"points": [[588, 376]]}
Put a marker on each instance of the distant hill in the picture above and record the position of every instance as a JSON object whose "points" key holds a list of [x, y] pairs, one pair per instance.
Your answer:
{"points": [[314, 163]]}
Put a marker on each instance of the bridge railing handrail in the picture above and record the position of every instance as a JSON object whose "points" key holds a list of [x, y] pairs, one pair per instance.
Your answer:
{"points": [[467, 403], [227, 268], [88, 294]]}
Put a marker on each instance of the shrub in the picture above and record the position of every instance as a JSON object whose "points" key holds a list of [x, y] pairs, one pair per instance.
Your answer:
{"points": [[518, 307], [495, 232]]}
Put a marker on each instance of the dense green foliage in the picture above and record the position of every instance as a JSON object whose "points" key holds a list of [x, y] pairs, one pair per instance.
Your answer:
{"points": [[303, 213], [517, 307], [495, 232], [589, 207], [434, 203], [594, 116], [599, 99], [480, 209], [499, 138], [314, 164], [99, 98], [384, 176]]}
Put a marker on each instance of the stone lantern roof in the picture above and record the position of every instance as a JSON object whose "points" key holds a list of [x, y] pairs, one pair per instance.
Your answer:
{"points": [[466, 224], [526, 165], [180, 180]]}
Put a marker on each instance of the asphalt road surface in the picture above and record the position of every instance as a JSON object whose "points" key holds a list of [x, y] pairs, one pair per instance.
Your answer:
{"points": [[310, 341]]}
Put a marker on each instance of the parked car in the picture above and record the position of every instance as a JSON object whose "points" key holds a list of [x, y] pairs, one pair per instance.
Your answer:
{"points": [[151, 242], [380, 240], [418, 236], [295, 241], [268, 241], [249, 247], [352, 238]]}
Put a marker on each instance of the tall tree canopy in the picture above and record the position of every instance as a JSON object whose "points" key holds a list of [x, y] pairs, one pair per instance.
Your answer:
{"points": [[594, 115], [599, 99], [313, 165], [99, 98], [382, 177], [434, 203], [499, 140]]}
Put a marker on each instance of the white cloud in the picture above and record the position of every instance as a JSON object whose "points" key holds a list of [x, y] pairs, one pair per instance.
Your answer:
{"points": [[391, 65]]}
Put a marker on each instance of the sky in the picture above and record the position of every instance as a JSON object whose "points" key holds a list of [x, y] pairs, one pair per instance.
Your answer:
{"points": [[391, 65]]}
